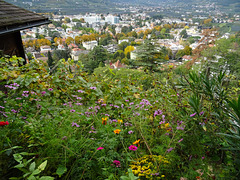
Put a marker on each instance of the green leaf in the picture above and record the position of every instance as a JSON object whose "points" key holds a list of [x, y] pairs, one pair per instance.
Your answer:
{"points": [[19, 166], [14, 178], [42, 166], [124, 178], [14, 147], [32, 167], [35, 172], [27, 154], [31, 177], [18, 157], [46, 178], [25, 175], [61, 170]]}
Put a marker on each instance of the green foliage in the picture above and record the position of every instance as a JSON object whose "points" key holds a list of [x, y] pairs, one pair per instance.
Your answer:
{"points": [[183, 33], [94, 58], [148, 56], [71, 125]]}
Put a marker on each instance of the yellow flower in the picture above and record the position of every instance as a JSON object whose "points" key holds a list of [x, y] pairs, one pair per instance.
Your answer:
{"points": [[137, 142], [117, 131], [120, 121], [162, 175], [166, 125], [104, 121]]}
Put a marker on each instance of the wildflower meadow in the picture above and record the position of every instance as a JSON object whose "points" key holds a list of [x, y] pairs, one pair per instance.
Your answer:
{"points": [[66, 124]]}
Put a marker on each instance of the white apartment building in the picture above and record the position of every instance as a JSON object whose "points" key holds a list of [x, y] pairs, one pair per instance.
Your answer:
{"points": [[89, 45], [112, 19]]}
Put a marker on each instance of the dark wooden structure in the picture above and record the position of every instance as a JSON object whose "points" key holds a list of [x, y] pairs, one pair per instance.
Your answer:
{"points": [[12, 20]]}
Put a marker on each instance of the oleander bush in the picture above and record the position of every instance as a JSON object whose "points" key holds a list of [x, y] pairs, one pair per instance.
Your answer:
{"points": [[125, 124]]}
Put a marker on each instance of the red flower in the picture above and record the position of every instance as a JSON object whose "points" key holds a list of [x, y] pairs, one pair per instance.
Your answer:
{"points": [[3, 123]]}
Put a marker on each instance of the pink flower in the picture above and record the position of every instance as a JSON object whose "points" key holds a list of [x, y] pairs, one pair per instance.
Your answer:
{"points": [[132, 148], [72, 110], [201, 113], [50, 89], [191, 115], [75, 124], [180, 140], [44, 92], [100, 148], [170, 149], [117, 163]]}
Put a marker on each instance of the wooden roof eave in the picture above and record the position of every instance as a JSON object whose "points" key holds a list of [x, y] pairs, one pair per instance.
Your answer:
{"points": [[19, 27]]}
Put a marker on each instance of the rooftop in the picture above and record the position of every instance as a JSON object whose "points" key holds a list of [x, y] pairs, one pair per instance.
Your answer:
{"points": [[14, 18]]}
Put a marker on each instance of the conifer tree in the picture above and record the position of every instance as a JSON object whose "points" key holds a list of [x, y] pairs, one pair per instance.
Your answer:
{"points": [[50, 60]]}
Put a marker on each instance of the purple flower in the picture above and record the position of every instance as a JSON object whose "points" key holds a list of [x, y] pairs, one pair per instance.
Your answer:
{"points": [[14, 111], [131, 103], [130, 132], [79, 104], [126, 100], [5, 115], [18, 98], [163, 117], [180, 128], [116, 106], [136, 114], [94, 88], [80, 91], [2, 107], [180, 140], [96, 107], [201, 113], [191, 115], [157, 112], [64, 137], [50, 89], [170, 149], [79, 98], [75, 124], [72, 110], [44, 92], [92, 132], [33, 93], [161, 122], [203, 157], [103, 104]]}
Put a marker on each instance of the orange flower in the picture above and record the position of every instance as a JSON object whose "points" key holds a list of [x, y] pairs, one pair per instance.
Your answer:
{"points": [[117, 131], [137, 142], [104, 121]]}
